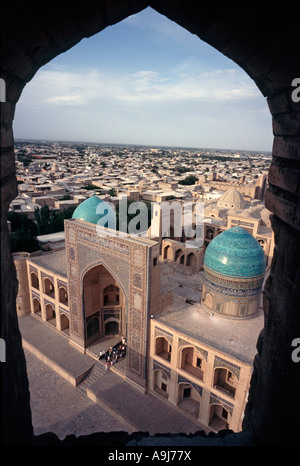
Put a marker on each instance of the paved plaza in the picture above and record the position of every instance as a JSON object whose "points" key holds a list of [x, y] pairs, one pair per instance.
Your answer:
{"points": [[100, 402]]}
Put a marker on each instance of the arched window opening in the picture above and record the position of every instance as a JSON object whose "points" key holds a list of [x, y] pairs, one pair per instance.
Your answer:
{"points": [[163, 348], [111, 296], [189, 399], [192, 362], [166, 252], [63, 296], [50, 314], [64, 324], [93, 325], [161, 381], [48, 287], [191, 260], [225, 381], [111, 327], [34, 280], [219, 417], [209, 233], [37, 307]]}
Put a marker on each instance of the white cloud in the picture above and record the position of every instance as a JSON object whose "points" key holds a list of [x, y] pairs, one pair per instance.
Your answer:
{"points": [[144, 87]]}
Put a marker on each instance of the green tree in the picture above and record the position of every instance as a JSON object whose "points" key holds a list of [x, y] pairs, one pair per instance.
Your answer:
{"points": [[189, 180], [112, 192], [23, 233]]}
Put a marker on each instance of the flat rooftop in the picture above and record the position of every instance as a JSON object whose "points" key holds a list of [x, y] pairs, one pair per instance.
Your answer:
{"points": [[237, 338], [54, 261]]}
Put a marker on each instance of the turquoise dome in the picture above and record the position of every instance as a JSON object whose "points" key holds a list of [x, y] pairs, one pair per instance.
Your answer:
{"points": [[93, 209], [235, 253]]}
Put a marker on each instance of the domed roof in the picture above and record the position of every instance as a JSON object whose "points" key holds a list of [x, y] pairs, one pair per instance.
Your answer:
{"points": [[93, 209], [235, 253], [232, 198]]}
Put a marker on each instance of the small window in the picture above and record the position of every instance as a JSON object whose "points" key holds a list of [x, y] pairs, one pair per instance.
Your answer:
{"points": [[199, 363], [186, 392], [155, 261], [164, 387], [224, 414]]}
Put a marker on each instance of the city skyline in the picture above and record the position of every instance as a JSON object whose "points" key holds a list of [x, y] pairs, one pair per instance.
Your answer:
{"points": [[145, 81]]}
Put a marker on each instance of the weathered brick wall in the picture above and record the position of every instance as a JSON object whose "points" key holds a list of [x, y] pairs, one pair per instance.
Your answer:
{"points": [[265, 43]]}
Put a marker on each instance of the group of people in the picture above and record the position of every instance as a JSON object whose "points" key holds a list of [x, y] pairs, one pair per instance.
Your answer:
{"points": [[114, 353]]}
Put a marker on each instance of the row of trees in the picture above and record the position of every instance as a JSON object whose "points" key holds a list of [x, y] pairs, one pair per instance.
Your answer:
{"points": [[24, 230]]}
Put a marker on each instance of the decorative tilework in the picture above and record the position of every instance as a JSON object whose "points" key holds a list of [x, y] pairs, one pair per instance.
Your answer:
{"points": [[34, 294], [159, 332], [63, 311], [219, 362], [127, 261], [45, 275], [235, 253], [182, 379], [159, 366], [47, 301], [215, 399], [182, 342], [62, 284], [33, 269]]}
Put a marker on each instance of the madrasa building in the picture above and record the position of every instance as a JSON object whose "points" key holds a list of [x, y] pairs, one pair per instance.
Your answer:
{"points": [[190, 335]]}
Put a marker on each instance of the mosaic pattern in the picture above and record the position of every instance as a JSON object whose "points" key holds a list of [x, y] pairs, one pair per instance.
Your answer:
{"points": [[182, 342], [215, 399], [62, 284], [219, 362], [128, 262], [182, 379], [159, 366], [159, 332], [235, 253]]}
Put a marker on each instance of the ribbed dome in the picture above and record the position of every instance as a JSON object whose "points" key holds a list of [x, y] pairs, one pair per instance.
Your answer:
{"points": [[235, 253], [93, 209], [232, 199]]}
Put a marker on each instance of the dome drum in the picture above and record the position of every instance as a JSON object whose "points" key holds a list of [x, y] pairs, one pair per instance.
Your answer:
{"points": [[226, 303], [234, 265]]}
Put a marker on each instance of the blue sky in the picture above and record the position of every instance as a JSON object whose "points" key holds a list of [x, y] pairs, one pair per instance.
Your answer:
{"points": [[145, 80]]}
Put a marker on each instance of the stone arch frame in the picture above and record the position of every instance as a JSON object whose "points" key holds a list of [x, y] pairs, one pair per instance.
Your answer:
{"points": [[65, 301], [64, 321], [45, 280], [35, 299], [199, 355], [167, 379], [34, 280], [120, 284], [215, 376], [108, 268], [194, 391], [163, 354], [50, 311], [212, 408], [248, 34]]}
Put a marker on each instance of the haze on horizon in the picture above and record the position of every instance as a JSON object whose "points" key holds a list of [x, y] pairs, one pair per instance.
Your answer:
{"points": [[145, 81]]}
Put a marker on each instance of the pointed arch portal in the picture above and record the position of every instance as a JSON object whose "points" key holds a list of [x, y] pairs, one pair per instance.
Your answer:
{"points": [[103, 303]]}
